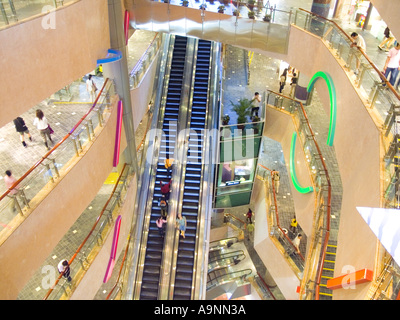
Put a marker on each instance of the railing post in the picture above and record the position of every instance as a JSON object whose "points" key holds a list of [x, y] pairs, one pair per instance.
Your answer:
{"points": [[75, 146], [14, 13], [55, 167], [90, 129], [3, 12]]}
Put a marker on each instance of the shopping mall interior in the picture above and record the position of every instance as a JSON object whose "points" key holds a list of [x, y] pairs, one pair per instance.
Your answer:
{"points": [[267, 128]]}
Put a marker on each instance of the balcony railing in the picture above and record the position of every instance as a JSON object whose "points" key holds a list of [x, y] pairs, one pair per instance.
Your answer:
{"points": [[85, 253], [276, 231], [45, 173], [141, 67], [380, 98], [13, 11], [322, 189]]}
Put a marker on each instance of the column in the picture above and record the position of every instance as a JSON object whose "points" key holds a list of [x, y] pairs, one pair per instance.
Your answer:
{"points": [[119, 72], [321, 7]]}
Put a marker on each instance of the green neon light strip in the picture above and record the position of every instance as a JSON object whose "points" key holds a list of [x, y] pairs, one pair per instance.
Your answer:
{"points": [[296, 183], [332, 98]]}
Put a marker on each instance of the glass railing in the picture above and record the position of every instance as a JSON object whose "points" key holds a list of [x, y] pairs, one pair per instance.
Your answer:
{"points": [[267, 294], [276, 231], [116, 290], [378, 93], [240, 276], [381, 98], [141, 67], [85, 253], [45, 173], [321, 188], [13, 11]]}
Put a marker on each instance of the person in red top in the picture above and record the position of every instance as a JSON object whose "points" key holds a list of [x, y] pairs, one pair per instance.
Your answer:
{"points": [[165, 188], [249, 215]]}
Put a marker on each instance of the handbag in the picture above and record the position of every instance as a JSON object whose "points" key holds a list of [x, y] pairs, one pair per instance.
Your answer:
{"points": [[51, 130]]}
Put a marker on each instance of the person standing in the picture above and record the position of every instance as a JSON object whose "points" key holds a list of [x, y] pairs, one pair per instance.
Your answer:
{"points": [[275, 180], [249, 214], [358, 42], [22, 129], [392, 64], [9, 181], [42, 125], [165, 189], [163, 206], [91, 87], [250, 230], [160, 225], [296, 242], [256, 101], [181, 224], [168, 165], [282, 80], [293, 84], [64, 268], [293, 225]]}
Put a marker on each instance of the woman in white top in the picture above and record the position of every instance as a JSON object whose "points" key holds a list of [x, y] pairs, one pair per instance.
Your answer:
{"points": [[91, 87], [42, 125]]}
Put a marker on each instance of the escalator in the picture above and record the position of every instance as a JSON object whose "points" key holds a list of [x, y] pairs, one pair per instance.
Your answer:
{"points": [[155, 243], [193, 174], [224, 260]]}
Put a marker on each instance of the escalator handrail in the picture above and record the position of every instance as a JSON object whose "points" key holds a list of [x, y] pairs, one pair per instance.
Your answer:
{"points": [[170, 244], [226, 255], [145, 192], [244, 272], [210, 147]]}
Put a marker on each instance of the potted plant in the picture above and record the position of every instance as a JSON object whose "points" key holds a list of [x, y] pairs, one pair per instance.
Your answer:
{"points": [[225, 119], [185, 3], [267, 18], [221, 9], [236, 13], [243, 110], [251, 14]]}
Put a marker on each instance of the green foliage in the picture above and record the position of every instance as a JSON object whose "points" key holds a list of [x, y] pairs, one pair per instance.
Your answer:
{"points": [[242, 109]]}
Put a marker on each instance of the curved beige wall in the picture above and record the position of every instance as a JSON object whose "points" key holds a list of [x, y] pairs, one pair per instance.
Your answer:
{"points": [[37, 62], [279, 126], [357, 146], [31, 243], [272, 258]]}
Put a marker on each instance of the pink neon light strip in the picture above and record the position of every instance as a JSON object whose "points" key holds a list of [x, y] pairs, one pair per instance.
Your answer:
{"points": [[126, 26], [111, 261], [118, 134]]}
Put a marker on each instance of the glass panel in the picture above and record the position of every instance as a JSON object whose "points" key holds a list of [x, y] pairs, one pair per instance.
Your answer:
{"points": [[239, 149], [13, 11], [232, 200]]}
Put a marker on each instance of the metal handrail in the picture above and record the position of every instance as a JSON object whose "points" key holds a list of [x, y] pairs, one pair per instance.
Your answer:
{"points": [[329, 199], [54, 147], [277, 214], [90, 232], [391, 88]]}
